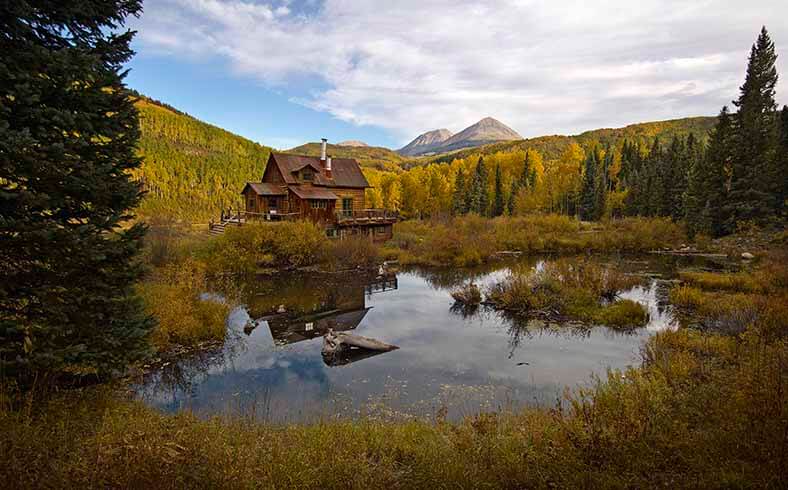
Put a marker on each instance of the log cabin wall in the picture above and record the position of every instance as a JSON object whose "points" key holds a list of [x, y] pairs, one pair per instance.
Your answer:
{"points": [[322, 215], [250, 200], [344, 193], [272, 175], [255, 203]]}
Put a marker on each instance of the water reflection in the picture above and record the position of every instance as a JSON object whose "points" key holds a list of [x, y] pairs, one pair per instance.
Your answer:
{"points": [[458, 362]]}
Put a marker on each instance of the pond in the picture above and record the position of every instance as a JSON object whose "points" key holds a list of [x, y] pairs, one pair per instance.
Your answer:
{"points": [[449, 362]]}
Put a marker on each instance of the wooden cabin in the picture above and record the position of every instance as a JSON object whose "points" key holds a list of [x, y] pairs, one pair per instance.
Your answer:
{"points": [[327, 191]]}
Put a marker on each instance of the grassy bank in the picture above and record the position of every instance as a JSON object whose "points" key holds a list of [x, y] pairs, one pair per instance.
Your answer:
{"points": [[471, 240]]}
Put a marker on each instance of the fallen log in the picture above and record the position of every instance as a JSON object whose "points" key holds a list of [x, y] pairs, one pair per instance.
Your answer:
{"points": [[334, 342]]}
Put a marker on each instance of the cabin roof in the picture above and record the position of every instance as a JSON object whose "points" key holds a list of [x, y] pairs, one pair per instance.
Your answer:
{"points": [[345, 172], [313, 193], [264, 189], [285, 330]]}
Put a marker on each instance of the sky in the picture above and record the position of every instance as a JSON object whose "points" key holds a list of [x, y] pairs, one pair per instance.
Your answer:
{"points": [[284, 72]]}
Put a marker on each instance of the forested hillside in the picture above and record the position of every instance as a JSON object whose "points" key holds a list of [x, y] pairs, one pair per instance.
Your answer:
{"points": [[551, 147], [498, 178], [191, 169], [367, 156]]}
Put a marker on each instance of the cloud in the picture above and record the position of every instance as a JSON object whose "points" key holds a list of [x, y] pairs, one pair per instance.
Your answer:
{"points": [[541, 67]]}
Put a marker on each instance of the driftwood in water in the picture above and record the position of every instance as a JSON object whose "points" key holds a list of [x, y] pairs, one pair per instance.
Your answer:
{"points": [[348, 356], [335, 342]]}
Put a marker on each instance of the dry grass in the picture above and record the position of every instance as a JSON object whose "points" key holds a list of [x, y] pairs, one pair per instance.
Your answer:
{"points": [[731, 302], [703, 411], [581, 289], [471, 240], [173, 294]]}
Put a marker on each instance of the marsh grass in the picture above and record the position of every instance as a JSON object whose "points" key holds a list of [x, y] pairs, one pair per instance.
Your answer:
{"points": [[702, 411], [580, 289], [468, 295], [472, 240], [730, 302], [175, 295]]}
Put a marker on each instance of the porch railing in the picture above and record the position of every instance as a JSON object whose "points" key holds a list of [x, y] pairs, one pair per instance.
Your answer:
{"points": [[366, 215]]}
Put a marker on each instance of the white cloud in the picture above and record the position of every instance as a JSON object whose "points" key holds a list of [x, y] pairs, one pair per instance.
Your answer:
{"points": [[541, 67]]}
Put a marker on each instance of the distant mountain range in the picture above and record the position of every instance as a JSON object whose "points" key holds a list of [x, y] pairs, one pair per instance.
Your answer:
{"points": [[428, 142], [484, 132]]}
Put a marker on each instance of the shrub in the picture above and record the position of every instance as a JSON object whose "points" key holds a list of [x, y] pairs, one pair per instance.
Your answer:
{"points": [[577, 288], [174, 296], [355, 252], [470, 240], [257, 247], [624, 314]]}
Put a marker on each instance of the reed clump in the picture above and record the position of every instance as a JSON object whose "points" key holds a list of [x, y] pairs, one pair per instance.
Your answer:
{"points": [[468, 295], [580, 289]]}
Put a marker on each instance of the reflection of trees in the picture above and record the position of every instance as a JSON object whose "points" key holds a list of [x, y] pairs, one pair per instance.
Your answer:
{"points": [[184, 374]]}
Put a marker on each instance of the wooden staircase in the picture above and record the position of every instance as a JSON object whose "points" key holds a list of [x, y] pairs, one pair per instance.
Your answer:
{"points": [[215, 229]]}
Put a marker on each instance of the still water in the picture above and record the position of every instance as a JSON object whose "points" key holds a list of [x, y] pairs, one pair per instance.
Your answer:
{"points": [[450, 362]]}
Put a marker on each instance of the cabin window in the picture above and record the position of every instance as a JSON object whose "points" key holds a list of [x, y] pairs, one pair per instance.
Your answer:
{"points": [[381, 230], [347, 206], [272, 203], [332, 233], [307, 175], [250, 203], [319, 204]]}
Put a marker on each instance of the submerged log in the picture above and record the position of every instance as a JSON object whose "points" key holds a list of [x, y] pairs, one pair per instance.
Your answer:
{"points": [[334, 342]]}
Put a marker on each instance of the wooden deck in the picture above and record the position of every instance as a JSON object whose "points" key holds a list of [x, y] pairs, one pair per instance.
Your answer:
{"points": [[350, 218], [366, 216]]}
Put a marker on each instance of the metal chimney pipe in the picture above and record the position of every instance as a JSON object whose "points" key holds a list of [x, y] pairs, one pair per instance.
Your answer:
{"points": [[323, 150]]}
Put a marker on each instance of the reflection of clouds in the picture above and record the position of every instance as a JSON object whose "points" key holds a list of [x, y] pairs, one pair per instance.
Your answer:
{"points": [[660, 314], [438, 349]]}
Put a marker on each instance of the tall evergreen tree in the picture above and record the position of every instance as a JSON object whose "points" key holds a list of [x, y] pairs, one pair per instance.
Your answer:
{"points": [[479, 200], [589, 197], [675, 179], [68, 131], [781, 165], [716, 168], [499, 203], [752, 168], [459, 204]]}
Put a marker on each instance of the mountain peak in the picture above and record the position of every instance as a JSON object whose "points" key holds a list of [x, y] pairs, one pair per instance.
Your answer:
{"points": [[426, 142], [487, 130]]}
